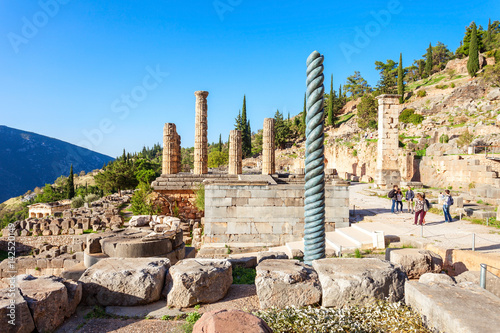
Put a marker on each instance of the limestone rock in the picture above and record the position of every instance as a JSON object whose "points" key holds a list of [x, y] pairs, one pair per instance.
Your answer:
{"points": [[494, 94], [193, 281], [139, 221], [351, 280], [282, 282], [415, 262], [124, 281], [264, 255], [433, 278], [18, 310], [230, 321], [47, 299], [75, 290]]}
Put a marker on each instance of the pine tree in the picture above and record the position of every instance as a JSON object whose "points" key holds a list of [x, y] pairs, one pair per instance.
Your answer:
{"points": [[220, 142], [428, 61], [330, 116], [401, 87], [304, 112], [473, 62], [71, 186]]}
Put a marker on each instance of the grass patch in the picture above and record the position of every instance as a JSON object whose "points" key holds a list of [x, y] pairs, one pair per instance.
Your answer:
{"points": [[344, 118], [89, 231], [191, 319], [243, 275]]}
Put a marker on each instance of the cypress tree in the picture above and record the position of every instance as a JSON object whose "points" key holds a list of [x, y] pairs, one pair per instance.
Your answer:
{"points": [[473, 62], [401, 87], [220, 142], [428, 61], [288, 115], [488, 37], [246, 136], [304, 112], [330, 116], [71, 186]]}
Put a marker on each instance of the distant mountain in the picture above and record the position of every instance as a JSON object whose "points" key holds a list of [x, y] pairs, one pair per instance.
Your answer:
{"points": [[28, 160]]}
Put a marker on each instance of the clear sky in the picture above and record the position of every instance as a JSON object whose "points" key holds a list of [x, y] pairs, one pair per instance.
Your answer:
{"points": [[108, 74]]}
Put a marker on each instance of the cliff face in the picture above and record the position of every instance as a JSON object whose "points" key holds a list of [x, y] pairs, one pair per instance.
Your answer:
{"points": [[28, 160]]}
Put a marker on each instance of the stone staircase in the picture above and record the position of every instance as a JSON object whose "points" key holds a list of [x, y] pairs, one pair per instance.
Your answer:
{"points": [[357, 236]]}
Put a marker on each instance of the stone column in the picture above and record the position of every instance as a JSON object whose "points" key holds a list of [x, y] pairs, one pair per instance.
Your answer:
{"points": [[171, 150], [200, 134], [235, 153], [388, 173], [268, 160]]}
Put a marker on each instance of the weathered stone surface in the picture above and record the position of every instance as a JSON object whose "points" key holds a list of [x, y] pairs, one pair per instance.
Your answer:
{"points": [[351, 280], [230, 321], [193, 281], [94, 244], [245, 262], [434, 278], [415, 262], [282, 282], [14, 310], [124, 281], [492, 281], [454, 308], [47, 299], [139, 221], [74, 289], [265, 255]]}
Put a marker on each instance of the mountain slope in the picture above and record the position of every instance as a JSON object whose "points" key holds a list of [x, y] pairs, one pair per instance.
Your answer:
{"points": [[28, 160]]}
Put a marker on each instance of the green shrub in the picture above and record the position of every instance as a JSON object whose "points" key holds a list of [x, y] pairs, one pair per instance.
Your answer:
{"points": [[91, 197], [416, 119], [191, 319], [404, 116], [452, 85], [243, 275], [354, 153], [200, 198], [422, 93], [444, 138], [141, 202], [442, 86], [465, 139], [472, 185], [77, 202]]}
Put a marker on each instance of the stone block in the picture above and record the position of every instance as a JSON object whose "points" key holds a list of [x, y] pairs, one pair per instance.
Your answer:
{"points": [[229, 321], [124, 281], [282, 283], [193, 281], [415, 262], [266, 255], [350, 280], [454, 308]]}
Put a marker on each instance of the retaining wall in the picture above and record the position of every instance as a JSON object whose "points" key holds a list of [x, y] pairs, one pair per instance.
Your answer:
{"points": [[266, 214]]}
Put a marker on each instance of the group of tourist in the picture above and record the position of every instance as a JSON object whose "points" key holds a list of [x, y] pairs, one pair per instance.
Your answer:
{"points": [[418, 204]]}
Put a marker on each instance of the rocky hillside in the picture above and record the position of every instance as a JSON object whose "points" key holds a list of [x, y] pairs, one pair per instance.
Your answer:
{"points": [[29, 160]]}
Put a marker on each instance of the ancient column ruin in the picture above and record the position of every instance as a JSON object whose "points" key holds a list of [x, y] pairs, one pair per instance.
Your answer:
{"points": [[171, 150], [200, 136], [235, 153], [388, 151], [268, 159]]}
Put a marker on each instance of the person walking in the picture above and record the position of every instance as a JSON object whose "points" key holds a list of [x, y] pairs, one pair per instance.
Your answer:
{"points": [[447, 202], [392, 195], [419, 209], [427, 205], [399, 201], [410, 196]]}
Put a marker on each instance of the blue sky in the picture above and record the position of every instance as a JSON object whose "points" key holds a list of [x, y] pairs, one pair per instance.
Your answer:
{"points": [[67, 66]]}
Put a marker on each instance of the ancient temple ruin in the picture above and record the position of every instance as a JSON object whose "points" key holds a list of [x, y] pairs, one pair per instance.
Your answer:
{"points": [[266, 208], [388, 151], [235, 153]]}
